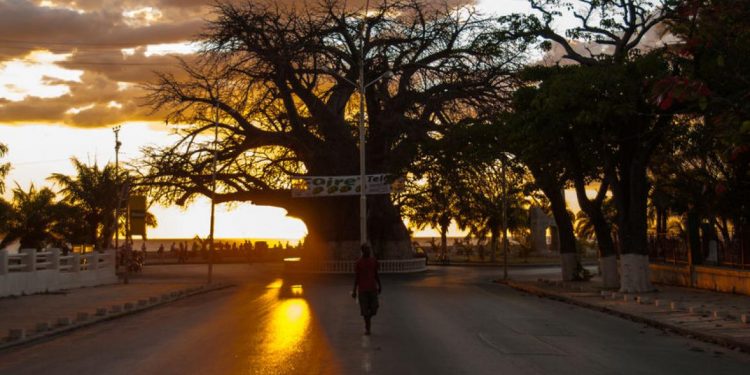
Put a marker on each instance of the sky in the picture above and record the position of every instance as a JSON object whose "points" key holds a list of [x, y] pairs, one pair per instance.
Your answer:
{"points": [[70, 70]]}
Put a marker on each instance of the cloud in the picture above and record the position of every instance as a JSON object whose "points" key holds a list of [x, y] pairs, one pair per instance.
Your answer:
{"points": [[25, 26], [119, 67], [95, 101], [91, 35]]}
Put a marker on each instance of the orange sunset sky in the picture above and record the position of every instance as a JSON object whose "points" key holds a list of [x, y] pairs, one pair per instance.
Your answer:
{"points": [[70, 71]]}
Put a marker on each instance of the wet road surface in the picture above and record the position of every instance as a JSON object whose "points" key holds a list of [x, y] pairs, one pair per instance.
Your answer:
{"points": [[448, 320]]}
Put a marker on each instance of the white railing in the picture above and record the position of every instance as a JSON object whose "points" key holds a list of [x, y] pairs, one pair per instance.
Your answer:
{"points": [[347, 266], [31, 271]]}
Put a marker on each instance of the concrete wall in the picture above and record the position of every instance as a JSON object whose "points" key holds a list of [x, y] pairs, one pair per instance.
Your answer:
{"points": [[703, 277], [40, 272]]}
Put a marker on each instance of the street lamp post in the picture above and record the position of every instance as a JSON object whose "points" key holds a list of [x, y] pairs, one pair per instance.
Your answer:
{"points": [[361, 127], [116, 130], [361, 88], [211, 243], [505, 219]]}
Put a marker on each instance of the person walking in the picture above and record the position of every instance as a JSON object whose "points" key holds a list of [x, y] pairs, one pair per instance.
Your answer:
{"points": [[367, 283]]}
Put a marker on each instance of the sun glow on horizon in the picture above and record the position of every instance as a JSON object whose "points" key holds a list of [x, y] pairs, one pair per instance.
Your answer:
{"points": [[54, 145]]}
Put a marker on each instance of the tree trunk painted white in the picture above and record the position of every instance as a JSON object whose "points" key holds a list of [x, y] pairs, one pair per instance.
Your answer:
{"points": [[635, 274], [608, 268], [568, 262]]}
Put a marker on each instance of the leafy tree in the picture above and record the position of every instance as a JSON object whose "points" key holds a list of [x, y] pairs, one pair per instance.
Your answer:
{"points": [[430, 201], [629, 126], [712, 90], [491, 190], [282, 82]]}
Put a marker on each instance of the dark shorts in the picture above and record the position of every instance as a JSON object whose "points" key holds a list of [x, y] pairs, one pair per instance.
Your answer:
{"points": [[368, 303]]}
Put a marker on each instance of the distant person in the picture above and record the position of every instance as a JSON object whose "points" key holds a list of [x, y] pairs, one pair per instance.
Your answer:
{"points": [[143, 249], [160, 251], [367, 283]]}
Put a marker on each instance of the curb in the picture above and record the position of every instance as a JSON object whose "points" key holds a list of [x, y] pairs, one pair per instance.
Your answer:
{"points": [[725, 341], [63, 325], [498, 265]]}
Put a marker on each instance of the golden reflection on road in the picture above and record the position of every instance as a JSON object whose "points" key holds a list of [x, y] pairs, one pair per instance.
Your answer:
{"points": [[287, 328], [285, 331]]}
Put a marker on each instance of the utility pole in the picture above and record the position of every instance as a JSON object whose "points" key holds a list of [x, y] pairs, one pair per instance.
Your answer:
{"points": [[362, 175], [116, 130], [505, 219], [213, 193], [124, 258]]}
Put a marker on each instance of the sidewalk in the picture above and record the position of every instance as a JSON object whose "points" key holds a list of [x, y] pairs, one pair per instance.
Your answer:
{"points": [[28, 318], [719, 318]]}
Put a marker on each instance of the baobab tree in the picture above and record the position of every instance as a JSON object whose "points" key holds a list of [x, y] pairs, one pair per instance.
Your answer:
{"points": [[280, 83]]}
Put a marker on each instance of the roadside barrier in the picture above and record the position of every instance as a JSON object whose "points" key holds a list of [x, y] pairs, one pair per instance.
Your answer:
{"points": [[347, 266], [31, 271]]}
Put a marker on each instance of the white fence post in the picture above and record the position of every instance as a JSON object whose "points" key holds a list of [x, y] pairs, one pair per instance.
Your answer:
{"points": [[75, 263], [94, 265], [54, 259], [3, 262], [29, 259]]}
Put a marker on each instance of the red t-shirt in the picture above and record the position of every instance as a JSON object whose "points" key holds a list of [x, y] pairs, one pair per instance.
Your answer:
{"points": [[367, 269]]}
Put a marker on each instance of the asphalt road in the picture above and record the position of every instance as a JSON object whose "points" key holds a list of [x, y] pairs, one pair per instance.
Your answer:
{"points": [[449, 320]]}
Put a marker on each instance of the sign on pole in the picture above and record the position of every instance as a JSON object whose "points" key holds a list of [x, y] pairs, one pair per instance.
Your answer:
{"points": [[137, 211], [334, 186]]}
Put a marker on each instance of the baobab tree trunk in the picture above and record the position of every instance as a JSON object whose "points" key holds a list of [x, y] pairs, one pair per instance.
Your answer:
{"points": [[333, 227]]}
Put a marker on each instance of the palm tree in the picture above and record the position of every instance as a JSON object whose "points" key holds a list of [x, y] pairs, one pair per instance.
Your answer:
{"points": [[33, 218], [4, 168], [95, 192]]}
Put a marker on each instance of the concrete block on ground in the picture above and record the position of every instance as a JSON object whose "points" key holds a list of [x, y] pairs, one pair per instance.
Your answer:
{"points": [[83, 316], [142, 302], [657, 302], [129, 306], [165, 297], [64, 321], [745, 318], [101, 311], [15, 334], [615, 295], [116, 309], [626, 297], [643, 300], [42, 326], [674, 306]]}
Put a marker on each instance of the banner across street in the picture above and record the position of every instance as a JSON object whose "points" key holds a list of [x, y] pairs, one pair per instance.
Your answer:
{"points": [[329, 186]]}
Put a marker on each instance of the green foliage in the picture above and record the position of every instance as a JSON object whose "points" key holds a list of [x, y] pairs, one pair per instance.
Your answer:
{"points": [[714, 69]]}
